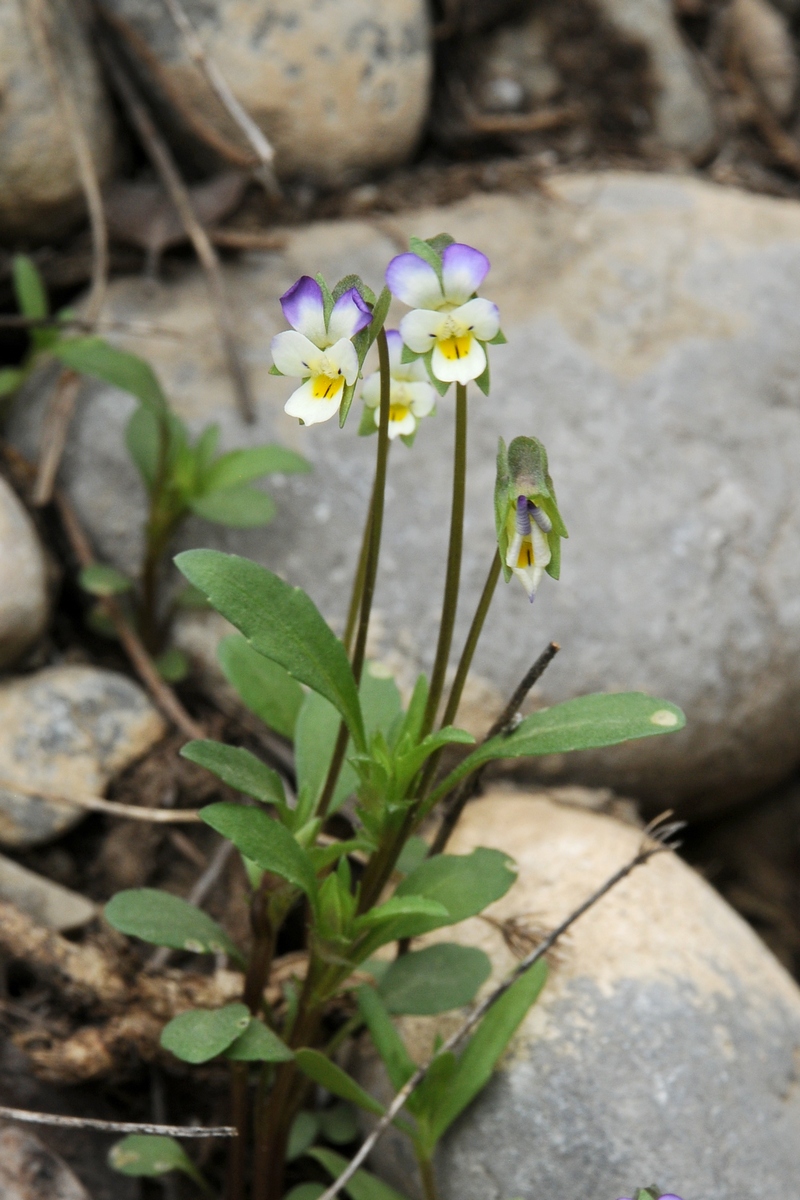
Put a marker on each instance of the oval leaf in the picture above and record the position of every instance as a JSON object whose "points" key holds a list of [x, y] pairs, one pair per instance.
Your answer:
{"points": [[100, 580], [282, 623], [238, 768], [263, 686], [464, 883], [259, 1044], [93, 356], [150, 1155], [434, 980], [265, 842], [203, 1033], [319, 1068], [240, 507], [243, 466], [165, 920]]}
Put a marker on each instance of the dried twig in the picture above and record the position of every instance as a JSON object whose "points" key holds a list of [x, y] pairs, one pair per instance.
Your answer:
{"points": [[531, 122], [132, 328], [657, 839], [164, 163], [132, 812], [187, 1131]]}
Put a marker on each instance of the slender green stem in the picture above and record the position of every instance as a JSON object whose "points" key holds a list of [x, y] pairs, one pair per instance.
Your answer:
{"points": [[428, 1178], [358, 581], [475, 630], [375, 525], [453, 575]]}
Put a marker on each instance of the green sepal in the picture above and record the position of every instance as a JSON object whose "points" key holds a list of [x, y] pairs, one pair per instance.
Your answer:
{"points": [[501, 501], [407, 355], [483, 380], [327, 298], [354, 281], [408, 439], [439, 384], [367, 425], [440, 242], [499, 339], [347, 399], [428, 254], [379, 314], [274, 371]]}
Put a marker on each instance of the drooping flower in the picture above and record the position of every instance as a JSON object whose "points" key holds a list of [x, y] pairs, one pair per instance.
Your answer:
{"points": [[411, 396], [448, 324], [320, 351], [529, 525]]}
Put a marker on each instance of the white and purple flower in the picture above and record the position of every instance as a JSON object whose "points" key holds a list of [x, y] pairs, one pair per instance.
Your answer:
{"points": [[411, 396], [447, 318], [528, 546], [321, 353]]}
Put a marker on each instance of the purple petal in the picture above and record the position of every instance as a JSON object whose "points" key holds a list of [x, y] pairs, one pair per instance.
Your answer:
{"points": [[349, 315], [414, 281], [464, 270], [302, 306], [395, 340]]}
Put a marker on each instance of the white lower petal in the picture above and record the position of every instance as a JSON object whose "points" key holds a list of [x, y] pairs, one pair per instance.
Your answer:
{"points": [[529, 577], [422, 398], [541, 546], [310, 411], [403, 427], [371, 390], [514, 547], [342, 356], [459, 370], [294, 354], [420, 328], [479, 316]]}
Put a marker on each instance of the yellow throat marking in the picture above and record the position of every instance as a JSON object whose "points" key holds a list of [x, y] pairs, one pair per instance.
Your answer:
{"points": [[456, 347], [397, 413], [326, 387]]}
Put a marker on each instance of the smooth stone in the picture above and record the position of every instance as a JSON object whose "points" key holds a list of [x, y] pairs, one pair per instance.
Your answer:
{"points": [[29, 1170], [66, 730], [340, 87], [48, 902], [683, 109], [40, 189], [663, 1046], [24, 607], [654, 346]]}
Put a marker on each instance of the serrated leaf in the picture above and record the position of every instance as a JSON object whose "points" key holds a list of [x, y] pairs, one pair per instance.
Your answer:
{"points": [[303, 1134], [29, 289], [101, 580], [165, 920], [238, 768], [243, 466], [238, 507], [265, 842], [434, 980], [464, 884], [93, 356], [148, 1155], [258, 1043], [282, 623], [363, 1185], [201, 1034], [263, 686], [319, 1068]]}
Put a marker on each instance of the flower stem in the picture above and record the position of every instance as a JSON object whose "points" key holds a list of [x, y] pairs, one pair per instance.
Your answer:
{"points": [[428, 1177], [475, 630], [453, 575], [375, 527]]}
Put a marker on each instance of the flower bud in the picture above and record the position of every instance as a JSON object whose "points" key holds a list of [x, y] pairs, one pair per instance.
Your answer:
{"points": [[529, 525]]}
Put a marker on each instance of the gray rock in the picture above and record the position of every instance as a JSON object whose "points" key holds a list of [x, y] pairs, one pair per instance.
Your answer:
{"points": [[766, 45], [40, 191], [683, 109], [31, 1171], [67, 730], [654, 346], [23, 580], [338, 86], [663, 1045], [48, 902]]}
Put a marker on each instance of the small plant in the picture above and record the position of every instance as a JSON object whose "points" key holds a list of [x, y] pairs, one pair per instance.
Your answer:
{"points": [[382, 884]]}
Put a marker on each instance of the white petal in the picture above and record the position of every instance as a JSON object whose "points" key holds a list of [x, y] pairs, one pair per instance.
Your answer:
{"points": [[459, 370], [414, 281], [403, 428], [463, 269], [480, 316], [529, 577], [371, 391], [514, 547], [310, 411], [342, 355], [422, 397], [419, 329], [294, 354], [541, 546]]}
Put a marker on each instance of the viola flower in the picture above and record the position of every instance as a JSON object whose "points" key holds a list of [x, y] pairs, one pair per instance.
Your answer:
{"points": [[411, 396], [448, 321], [529, 525], [320, 351]]}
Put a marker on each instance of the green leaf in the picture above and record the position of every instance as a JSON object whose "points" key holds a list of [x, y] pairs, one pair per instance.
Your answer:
{"points": [[327, 298], [400, 906], [379, 314], [93, 356], [495, 1031], [149, 1155], [264, 841], [172, 665], [11, 378], [348, 392], [238, 768], [143, 442], [29, 288], [603, 719], [319, 1068], [464, 884], [305, 1191], [165, 920], [363, 1185], [202, 1033], [339, 1124], [239, 507], [367, 425], [483, 380], [191, 598], [258, 1043], [263, 686], [425, 251], [303, 1134], [315, 737], [282, 623], [101, 580], [414, 852], [390, 1046], [434, 980], [243, 466]]}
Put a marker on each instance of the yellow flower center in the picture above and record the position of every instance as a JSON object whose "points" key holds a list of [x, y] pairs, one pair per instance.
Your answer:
{"points": [[398, 412], [456, 346], [525, 558], [326, 387]]}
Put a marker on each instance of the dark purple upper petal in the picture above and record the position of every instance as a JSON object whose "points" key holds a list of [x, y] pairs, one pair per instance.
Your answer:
{"points": [[350, 314], [303, 308]]}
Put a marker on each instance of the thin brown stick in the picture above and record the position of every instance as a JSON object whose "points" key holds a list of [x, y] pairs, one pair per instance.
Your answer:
{"points": [[142, 663], [221, 88], [132, 328], [246, 239], [656, 840], [533, 122], [164, 163], [132, 812], [177, 1131]]}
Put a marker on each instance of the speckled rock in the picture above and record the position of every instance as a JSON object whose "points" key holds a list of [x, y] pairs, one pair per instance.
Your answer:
{"points": [[66, 729], [23, 580], [31, 1171], [40, 191], [654, 346], [49, 903], [338, 86], [664, 1045]]}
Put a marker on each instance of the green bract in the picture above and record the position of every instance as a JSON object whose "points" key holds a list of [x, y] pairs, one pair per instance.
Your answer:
{"points": [[522, 471]]}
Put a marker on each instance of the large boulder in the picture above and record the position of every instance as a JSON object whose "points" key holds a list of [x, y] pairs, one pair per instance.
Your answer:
{"points": [[654, 346], [40, 189], [663, 1046], [24, 609], [339, 86]]}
